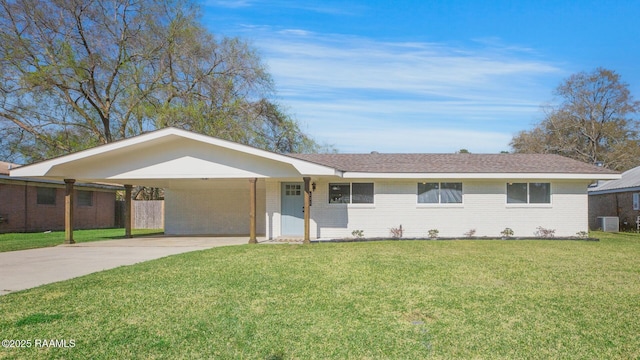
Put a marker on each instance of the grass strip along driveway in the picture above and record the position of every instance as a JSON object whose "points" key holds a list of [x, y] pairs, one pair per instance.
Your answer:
{"points": [[391, 300], [24, 241]]}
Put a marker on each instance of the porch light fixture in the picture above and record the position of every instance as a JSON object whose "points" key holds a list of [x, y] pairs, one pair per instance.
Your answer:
{"points": [[313, 186]]}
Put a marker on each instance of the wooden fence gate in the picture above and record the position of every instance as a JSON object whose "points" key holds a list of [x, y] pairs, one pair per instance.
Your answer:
{"points": [[147, 214]]}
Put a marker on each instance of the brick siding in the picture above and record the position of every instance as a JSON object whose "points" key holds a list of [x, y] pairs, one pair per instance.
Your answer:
{"points": [[613, 204], [22, 212]]}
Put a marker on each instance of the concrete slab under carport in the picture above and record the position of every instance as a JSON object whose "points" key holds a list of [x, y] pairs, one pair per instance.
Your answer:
{"points": [[25, 269]]}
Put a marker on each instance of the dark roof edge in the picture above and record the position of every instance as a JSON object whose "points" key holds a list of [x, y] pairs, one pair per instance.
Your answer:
{"points": [[616, 190], [114, 187]]}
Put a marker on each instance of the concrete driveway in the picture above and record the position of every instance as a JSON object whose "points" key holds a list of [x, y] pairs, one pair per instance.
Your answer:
{"points": [[26, 269]]}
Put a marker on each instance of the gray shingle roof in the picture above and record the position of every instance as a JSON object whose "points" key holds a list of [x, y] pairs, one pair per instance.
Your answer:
{"points": [[453, 163], [630, 179]]}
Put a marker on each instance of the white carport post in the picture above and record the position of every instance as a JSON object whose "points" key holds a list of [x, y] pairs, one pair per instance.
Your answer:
{"points": [[68, 211]]}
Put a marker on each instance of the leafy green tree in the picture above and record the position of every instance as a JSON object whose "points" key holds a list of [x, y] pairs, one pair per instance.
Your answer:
{"points": [[79, 73], [594, 122]]}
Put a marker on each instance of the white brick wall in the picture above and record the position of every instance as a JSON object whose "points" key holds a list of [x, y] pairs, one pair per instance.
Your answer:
{"points": [[484, 209], [272, 214], [220, 209], [223, 209]]}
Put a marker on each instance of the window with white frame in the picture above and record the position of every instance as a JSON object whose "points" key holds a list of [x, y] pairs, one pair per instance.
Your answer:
{"points": [[528, 193], [439, 193], [636, 201], [351, 193]]}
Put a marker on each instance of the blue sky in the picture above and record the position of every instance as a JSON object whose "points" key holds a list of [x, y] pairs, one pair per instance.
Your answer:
{"points": [[428, 76]]}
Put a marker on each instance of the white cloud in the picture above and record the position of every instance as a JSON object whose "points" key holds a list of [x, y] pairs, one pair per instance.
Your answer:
{"points": [[341, 62], [323, 8], [233, 4], [297, 32], [398, 138], [406, 126], [363, 95]]}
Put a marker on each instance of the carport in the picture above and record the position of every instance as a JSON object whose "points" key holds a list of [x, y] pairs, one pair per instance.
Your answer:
{"points": [[178, 160]]}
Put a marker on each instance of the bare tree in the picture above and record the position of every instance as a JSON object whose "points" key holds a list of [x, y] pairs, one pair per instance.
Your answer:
{"points": [[593, 123], [78, 73]]}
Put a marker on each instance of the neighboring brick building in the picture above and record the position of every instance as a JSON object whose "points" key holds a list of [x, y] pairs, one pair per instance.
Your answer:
{"points": [[619, 198], [28, 205]]}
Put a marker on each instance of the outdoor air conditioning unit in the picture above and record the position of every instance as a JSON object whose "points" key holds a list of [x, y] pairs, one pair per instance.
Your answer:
{"points": [[609, 223]]}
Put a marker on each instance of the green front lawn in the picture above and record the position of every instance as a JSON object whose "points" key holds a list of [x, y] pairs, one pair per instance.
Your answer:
{"points": [[23, 241], [381, 300]]}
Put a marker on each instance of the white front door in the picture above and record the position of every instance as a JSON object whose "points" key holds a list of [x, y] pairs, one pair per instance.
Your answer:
{"points": [[292, 209]]}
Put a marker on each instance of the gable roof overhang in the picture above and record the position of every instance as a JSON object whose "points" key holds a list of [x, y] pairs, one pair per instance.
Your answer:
{"points": [[171, 155]]}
